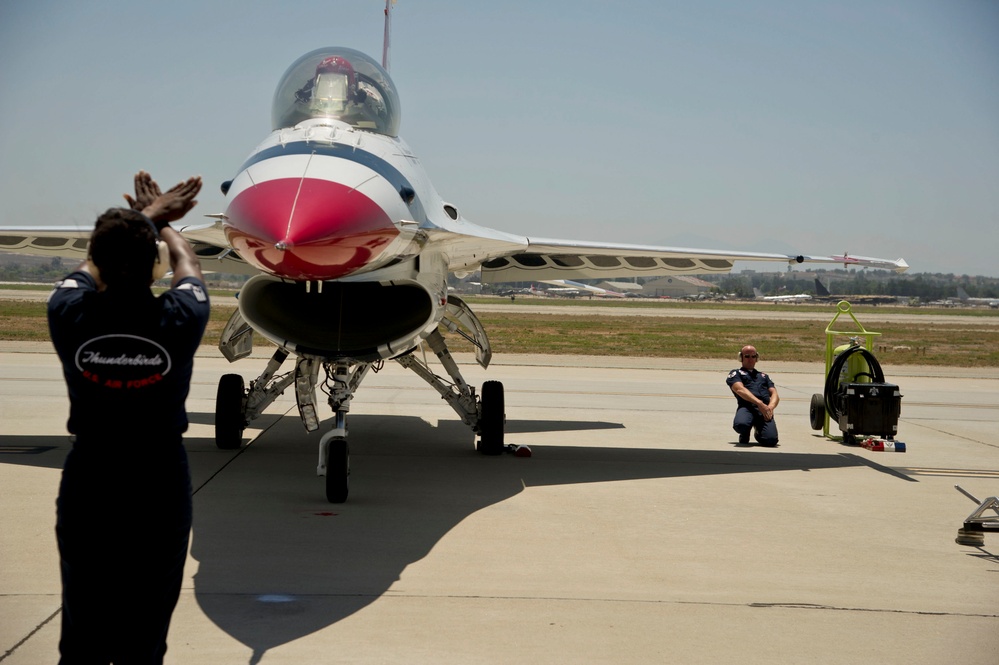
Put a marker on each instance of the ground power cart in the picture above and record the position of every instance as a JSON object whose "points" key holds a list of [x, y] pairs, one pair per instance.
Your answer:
{"points": [[868, 408], [857, 398]]}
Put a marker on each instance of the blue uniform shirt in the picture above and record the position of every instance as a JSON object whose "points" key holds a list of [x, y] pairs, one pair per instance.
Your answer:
{"points": [[127, 355], [757, 382]]}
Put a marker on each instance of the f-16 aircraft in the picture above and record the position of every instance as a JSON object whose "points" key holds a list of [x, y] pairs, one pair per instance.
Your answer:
{"points": [[350, 246]]}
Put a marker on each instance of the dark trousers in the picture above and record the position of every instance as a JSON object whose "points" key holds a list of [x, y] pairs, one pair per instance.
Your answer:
{"points": [[748, 419], [123, 525]]}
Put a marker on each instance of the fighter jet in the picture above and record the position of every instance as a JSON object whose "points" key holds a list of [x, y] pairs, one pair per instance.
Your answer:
{"points": [[350, 246]]}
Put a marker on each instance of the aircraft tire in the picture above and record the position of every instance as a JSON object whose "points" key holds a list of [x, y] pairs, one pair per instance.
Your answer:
{"points": [[338, 471], [817, 411], [229, 418], [492, 419]]}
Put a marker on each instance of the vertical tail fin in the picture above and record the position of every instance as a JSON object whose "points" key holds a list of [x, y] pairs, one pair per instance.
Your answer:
{"points": [[388, 34]]}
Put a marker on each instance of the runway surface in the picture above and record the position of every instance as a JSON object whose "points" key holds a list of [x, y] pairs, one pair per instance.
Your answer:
{"points": [[639, 532]]}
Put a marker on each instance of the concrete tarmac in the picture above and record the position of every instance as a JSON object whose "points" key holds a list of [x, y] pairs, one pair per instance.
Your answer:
{"points": [[639, 532]]}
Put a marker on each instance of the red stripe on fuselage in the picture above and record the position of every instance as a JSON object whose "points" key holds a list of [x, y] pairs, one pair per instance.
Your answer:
{"points": [[329, 230]]}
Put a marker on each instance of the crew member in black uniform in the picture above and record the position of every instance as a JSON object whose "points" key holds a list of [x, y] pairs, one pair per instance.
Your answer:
{"points": [[757, 397], [124, 506]]}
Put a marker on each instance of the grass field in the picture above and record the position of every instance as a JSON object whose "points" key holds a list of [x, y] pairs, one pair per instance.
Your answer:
{"points": [[949, 345], [579, 332]]}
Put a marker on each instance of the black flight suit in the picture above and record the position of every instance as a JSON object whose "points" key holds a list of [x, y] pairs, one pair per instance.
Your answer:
{"points": [[124, 506]]}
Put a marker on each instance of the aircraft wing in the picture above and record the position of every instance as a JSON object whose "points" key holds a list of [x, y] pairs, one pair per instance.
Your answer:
{"points": [[70, 242], [54, 241], [546, 258]]}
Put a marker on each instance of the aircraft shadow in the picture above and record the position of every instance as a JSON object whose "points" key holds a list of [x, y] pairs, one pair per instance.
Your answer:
{"points": [[43, 452], [277, 562]]}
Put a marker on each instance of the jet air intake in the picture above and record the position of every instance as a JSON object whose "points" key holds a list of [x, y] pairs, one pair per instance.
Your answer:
{"points": [[365, 321]]}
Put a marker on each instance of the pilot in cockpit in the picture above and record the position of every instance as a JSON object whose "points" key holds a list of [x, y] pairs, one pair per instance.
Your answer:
{"points": [[334, 92]]}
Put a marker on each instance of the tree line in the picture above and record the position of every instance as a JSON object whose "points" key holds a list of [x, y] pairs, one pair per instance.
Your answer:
{"points": [[925, 286]]}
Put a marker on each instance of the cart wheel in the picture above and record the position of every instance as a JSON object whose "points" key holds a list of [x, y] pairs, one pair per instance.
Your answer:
{"points": [[817, 411]]}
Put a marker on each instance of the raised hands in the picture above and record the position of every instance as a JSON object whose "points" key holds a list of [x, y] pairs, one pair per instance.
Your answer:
{"points": [[163, 207], [146, 191]]}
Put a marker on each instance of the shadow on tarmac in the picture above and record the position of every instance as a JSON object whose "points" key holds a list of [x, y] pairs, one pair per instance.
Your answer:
{"points": [[277, 562]]}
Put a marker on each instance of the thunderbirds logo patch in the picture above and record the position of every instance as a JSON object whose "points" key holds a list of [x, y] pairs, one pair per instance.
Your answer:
{"points": [[123, 362]]}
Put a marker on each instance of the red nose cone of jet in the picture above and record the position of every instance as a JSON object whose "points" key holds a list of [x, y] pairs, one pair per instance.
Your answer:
{"points": [[307, 229]]}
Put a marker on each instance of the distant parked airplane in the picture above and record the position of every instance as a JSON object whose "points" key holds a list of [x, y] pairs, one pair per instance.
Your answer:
{"points": [[963, 295], [799, 297], [565, 287]]}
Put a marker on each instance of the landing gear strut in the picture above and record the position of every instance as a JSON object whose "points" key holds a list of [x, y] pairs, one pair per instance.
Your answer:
{"points": [[236, 406], [485, 416]]}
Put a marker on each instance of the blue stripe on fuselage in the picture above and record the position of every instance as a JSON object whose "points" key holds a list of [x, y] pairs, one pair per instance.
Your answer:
{"points": [[350, 153]]}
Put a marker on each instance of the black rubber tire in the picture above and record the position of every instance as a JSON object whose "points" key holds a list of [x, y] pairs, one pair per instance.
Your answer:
{"points": [[492, 420], [229, 418], [338, 471], [817, 411]]}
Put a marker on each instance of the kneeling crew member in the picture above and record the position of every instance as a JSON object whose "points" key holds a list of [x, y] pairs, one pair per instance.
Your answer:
{"points": [[757, 398]]}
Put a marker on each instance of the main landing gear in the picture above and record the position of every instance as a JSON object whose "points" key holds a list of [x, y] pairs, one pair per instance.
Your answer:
{"points": [[237, 406]]}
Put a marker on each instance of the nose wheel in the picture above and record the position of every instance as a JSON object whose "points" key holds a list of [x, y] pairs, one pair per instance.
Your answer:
{"points": [[337, 469]]}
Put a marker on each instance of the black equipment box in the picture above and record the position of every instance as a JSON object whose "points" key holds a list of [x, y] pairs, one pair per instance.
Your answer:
{"points": [[869, 408]]}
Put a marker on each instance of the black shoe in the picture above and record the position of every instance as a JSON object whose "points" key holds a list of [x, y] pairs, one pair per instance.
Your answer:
{"points": [[744, 437]]}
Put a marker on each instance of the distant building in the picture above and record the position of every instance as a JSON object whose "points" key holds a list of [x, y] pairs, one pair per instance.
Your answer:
{"points": [[676, 287]]}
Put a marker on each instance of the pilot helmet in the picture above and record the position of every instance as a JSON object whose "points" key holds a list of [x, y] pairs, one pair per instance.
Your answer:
{"points": [[334, 85]]}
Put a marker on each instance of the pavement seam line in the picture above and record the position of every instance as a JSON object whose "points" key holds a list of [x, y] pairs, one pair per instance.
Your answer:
{"points": [[750, 605], [31, 634], [240, 452]]}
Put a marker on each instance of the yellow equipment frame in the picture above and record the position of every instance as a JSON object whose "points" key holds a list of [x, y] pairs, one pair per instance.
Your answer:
{"points": [[843, 307]]}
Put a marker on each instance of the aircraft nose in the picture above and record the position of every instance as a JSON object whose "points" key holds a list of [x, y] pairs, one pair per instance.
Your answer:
{"points": [[307, 228]]}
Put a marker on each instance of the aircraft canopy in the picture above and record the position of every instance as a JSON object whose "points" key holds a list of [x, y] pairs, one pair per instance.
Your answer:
{"points": [[338, 83]]}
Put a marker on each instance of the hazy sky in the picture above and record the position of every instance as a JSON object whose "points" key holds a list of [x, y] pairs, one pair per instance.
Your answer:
{"points": [[782, 125]]}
